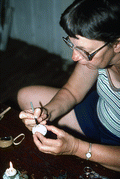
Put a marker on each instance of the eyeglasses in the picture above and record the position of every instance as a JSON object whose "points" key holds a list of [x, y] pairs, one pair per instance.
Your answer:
{"points": [[85, 54]]}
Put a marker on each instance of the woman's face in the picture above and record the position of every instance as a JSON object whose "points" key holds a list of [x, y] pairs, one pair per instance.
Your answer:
{"points": [[101, 59]]}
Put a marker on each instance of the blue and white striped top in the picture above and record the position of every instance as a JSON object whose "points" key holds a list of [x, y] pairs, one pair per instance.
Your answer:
{"points": [[108, 106]]}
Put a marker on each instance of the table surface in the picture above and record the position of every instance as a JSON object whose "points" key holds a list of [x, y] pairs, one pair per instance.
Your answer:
{"points": [[26, 156]]}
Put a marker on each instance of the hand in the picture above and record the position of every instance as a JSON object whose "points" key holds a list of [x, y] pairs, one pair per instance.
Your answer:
{"points": [[65, 144], [28, 117]]}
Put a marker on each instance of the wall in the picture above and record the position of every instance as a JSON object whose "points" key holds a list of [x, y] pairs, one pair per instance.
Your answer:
{"points": [[37, 22]]}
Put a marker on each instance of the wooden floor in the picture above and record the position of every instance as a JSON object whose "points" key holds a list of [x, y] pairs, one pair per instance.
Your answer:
{"points": [[24, 65]]}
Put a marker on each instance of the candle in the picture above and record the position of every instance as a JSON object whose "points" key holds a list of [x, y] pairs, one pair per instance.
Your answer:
{"points": [[11, 171]]}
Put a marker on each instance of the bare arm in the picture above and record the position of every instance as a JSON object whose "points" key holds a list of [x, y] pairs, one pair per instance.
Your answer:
{"points": [[105, 155], [66, 144], [73, 91]]}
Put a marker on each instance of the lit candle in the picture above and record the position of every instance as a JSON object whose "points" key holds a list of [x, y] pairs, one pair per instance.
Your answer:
{"points": [[11, 171]]}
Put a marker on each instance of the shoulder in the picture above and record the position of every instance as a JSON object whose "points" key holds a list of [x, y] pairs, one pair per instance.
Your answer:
{"points": [[82, 79], [84, 70]]}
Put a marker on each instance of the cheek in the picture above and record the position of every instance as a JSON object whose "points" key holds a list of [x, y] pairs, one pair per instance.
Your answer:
{"points": [[108, 57], [104, 60]]}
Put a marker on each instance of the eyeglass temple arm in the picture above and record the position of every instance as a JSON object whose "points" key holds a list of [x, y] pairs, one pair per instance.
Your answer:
{"points": [[98, 49]]}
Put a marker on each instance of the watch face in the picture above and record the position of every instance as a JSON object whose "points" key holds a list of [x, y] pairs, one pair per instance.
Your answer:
{"points": [[88, 155]]}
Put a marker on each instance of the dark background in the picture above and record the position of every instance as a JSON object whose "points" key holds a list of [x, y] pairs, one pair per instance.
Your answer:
{"points": [[24, 65]]}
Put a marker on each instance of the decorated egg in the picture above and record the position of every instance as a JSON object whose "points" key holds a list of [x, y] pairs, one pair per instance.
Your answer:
{"points": [[39, 128]]}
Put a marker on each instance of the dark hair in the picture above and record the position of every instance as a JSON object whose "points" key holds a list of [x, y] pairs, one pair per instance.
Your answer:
{"points": [[93, 19]]}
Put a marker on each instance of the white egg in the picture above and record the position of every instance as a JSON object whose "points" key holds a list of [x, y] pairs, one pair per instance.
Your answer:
{"points": [[39, 128]]}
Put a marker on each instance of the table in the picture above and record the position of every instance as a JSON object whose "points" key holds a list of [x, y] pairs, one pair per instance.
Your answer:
{"points": [[26, 156]]}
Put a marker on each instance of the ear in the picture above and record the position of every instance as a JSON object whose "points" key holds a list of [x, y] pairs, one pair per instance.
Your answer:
{"points": [[117, 46]]}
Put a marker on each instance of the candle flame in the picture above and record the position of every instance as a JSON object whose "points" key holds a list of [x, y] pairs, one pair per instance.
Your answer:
{"points": [[10, 171], [11, 165]]}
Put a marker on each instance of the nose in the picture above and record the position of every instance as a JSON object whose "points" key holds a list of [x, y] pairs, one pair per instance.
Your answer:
{"points": [[76, 56]]}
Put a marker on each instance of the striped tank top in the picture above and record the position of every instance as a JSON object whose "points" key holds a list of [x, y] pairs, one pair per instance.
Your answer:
{"points": [[108, 106]]}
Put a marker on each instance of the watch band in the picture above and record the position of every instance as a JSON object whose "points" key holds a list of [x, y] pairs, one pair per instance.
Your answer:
{"points": [[88, 154]]}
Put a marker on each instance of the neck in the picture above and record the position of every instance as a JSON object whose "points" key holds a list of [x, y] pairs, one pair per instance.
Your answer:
{"points": [[118, 69], [116, 63]]}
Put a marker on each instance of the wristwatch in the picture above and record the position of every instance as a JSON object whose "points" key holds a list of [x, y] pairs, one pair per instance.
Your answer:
{"points": [[88, 154]]}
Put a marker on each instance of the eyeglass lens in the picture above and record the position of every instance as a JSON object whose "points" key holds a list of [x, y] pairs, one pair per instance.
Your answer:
{"points": [[70, 45]]}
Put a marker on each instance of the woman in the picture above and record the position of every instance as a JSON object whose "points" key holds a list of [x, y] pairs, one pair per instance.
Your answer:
{"points": [[93, 29]]}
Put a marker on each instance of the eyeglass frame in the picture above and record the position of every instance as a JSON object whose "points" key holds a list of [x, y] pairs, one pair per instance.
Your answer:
{"points": [[90, 56]]}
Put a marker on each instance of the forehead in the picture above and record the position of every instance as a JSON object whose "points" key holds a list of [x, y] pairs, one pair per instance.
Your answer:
{"points": [[86, 43]]}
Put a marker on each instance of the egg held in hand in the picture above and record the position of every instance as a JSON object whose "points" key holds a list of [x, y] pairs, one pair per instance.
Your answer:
{"points": [[39, 128]]}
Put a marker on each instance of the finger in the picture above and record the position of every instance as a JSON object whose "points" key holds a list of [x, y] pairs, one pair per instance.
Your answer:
{"points": [[42, 147], [55, 130], [37, 112], [44, 114], [29, 111], [24, 114], [46, 141], [28, 122], [38, 115], [43, 122], [38, 143]]}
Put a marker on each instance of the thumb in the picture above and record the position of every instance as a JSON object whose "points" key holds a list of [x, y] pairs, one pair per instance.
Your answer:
{"points": [[55, 130], [37, 112]]}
